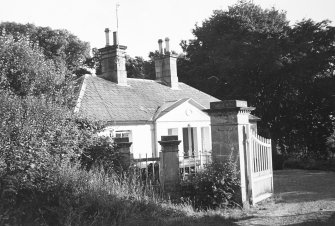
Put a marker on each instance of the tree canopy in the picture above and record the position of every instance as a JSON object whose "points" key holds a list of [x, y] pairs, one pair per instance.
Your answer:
{"points": [[286, 72], [58, 45]]}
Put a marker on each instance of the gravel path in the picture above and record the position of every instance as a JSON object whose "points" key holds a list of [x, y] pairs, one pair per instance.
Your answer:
{"points": [[301, 198]]}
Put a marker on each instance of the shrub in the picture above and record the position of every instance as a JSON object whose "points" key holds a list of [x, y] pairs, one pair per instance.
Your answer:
{"points": [[216, 186], [102, 154]]}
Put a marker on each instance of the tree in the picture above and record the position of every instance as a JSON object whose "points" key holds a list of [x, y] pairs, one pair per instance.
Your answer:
{"points": [[139, 68], [24, 70], [60, 46], [285, 72]]}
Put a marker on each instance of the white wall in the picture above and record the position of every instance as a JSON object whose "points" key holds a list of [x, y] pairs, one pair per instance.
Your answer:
{"points": [[145, 137], [141, 136], [185, 115]]}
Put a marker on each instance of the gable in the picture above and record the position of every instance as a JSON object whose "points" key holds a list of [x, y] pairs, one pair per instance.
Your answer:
{"points": [[188, 110]]}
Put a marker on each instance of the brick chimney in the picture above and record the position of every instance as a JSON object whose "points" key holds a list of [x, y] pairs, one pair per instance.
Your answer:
{"points": [[166, 65], [113, 61]]}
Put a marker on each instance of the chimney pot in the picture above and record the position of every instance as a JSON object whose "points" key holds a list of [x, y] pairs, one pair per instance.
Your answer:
{"points": [[107, 36], [115, 41], [167, 45], [160, 47]]}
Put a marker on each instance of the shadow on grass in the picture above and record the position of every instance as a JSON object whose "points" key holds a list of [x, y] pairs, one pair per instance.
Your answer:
{"points": [[186, 221], [326, 221], [302, 185], [309, 219]]}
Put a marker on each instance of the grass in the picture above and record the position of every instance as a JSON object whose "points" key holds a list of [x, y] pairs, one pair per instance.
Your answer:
{"points": [[78, 197]]}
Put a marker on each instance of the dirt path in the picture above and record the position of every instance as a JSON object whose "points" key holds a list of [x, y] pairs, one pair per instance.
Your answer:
{"points": [[301, 198]]}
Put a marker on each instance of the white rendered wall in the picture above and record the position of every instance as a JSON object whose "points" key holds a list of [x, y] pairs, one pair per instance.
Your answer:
{"points": [[141, 137], [145, 137], [183, 116]]}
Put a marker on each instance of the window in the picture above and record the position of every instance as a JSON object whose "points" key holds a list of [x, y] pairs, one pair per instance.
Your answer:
{"points": [[123, 134], [173, 132]]}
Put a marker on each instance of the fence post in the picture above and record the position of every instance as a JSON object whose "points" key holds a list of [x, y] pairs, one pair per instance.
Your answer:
{"points": [[229, 127], [169, 165], [123, 146]]}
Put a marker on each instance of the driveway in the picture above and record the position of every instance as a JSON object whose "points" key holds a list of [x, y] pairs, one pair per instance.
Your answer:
{"points": [[301, 198]]}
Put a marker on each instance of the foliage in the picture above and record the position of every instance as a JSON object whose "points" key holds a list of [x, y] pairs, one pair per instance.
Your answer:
{"points": [[36, 135], [24, 69], [331, 141], [326, 165], [64, 48], [102, 154], [79, 197], [286, 72], [139, 68], [136, 67], [215, 187]]}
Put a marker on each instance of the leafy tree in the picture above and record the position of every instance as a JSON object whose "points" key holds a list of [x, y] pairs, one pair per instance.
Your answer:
{"points": [[24, 69], [60, 46], [134, 67], [139, 68], [286, 72]]}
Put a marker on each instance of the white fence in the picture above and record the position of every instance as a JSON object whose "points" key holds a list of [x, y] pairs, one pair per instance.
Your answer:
{"points": [[260, 168]]}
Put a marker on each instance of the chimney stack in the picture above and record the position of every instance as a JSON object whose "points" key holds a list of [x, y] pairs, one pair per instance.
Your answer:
{"points": [[166, 65], [113, 61]]}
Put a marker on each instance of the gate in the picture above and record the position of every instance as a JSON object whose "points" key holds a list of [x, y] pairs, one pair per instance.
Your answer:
{"points": [[260, 171]]}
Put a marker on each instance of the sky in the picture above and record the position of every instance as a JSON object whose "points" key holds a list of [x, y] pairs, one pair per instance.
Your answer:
{"points": [[143, 22]]}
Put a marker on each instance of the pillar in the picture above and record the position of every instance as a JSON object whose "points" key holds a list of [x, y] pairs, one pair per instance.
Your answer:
{"points": [[169, 165], [123, 146], [229, 128]]}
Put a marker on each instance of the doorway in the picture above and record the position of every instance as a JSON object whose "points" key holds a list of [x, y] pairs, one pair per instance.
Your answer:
{"points": [[189, 141]]}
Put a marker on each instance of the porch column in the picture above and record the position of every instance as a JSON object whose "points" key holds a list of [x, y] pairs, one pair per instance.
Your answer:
{"points": [[169, 165], [229, 129], [123, 146]]}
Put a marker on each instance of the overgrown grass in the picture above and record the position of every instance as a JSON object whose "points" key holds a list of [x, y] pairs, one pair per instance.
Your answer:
{"points": [[79, 197]]}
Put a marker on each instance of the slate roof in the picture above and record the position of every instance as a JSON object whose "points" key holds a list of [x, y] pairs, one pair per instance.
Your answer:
{"points": [[140, 100]]}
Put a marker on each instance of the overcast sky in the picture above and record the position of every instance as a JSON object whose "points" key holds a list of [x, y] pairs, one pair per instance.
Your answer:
{"points": [[142, 22]]}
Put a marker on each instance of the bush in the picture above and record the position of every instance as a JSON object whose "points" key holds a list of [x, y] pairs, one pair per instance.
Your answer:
{"points": [[102, 154], [217, 186]]}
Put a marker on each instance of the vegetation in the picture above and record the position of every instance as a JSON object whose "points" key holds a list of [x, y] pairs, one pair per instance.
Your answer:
{"points": [[79, 197], [60, 46], [310, 164], [286, 72], [54, 169], [215, 187]]}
